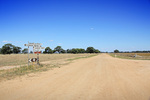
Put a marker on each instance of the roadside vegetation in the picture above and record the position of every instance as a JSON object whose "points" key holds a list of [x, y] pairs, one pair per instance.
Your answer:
{"points": [[136, 56], [22, 59], [57, 60], [15, 60]]}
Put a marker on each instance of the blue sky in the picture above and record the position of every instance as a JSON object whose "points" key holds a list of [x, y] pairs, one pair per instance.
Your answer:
{"points": [[104, 24]]}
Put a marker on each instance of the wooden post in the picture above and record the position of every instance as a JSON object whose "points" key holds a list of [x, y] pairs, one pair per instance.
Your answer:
{"points": [[28, 54], [38, 59]]}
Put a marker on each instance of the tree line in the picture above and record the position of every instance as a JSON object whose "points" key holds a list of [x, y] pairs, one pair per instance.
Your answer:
{"points": [[9, 49], [117, 51], [59, 50]]}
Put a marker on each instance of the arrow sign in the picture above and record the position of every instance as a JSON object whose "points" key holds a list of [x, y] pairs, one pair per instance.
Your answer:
{"points": [[29, 60], [33, 60]]}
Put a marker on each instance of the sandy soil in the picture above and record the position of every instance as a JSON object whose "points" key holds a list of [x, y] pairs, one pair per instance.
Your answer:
{"points": [[97, 78]]}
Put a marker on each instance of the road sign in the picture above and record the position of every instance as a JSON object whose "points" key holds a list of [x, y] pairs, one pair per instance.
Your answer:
{"points": [[37, 52], [33, 60], [29, 60], [30, 44], [36, 49], [42, 47]]}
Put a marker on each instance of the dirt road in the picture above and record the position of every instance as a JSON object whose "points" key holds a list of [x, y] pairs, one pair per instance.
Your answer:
{"points": [[97, 78]]}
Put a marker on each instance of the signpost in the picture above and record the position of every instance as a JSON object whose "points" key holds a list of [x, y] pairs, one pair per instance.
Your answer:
{"points": [[36, 49]]}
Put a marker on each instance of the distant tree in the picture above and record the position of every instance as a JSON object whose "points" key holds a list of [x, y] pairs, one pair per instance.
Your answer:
{"points": [[68, 50], [97, 51], [48, 50], [16, 49], [116, 51], [77, 50], [31, 52], [74, 51], [0, 50], [82, 50], [25, 50], [90, 50], [7, 49], [63, 51], [58, 49]]}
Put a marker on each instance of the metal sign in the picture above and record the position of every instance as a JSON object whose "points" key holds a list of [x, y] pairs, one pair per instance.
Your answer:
{"points": [[33, 60], [29, 44], [36, 49], [37, 52]]}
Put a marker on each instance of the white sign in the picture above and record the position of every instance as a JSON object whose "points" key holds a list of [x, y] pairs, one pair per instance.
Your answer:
{"points": [[30, 44], [42, 47], [36, 46]]}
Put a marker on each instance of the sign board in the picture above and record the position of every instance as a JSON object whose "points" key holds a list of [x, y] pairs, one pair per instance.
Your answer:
{"points": [[36, 49], [33, 60], [30, 44], [37, 52]]}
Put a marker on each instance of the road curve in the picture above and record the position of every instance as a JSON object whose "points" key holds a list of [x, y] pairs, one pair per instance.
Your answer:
{"points": [[97, 78]]}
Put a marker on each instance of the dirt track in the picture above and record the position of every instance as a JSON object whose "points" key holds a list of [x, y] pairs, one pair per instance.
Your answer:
{"points": [[97, 78]]}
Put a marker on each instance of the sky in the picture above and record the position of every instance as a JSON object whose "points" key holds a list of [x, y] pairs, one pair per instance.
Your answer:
{"points": [[103, 24]]}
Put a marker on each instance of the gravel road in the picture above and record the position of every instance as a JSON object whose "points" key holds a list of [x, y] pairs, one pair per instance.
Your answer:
{"points": [[100, 77]]}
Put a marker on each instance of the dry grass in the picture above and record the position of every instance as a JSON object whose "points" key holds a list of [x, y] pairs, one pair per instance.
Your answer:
{"points": [[139, 56], [56, 60], [21, 59]]}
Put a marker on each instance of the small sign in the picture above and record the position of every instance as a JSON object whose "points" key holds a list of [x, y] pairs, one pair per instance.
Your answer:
{"points": [[42, 47], [33, 60], [36, 49], [37, 52], [30, 44]]}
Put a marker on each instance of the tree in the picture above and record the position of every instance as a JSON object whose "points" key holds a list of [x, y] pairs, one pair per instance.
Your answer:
{"points": [[16, 49], [77, 50], [74, 51], [90, 50], [25, 50], [58, 49], [68, 51], [63, 51], [48, 50], [31, 52], [7, 49], [116, 51], [0, 50], [82, 50], [97, 51]]}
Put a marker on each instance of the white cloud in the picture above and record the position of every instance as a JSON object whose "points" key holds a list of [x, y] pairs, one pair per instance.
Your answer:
{"points": [[59, 43], [5, 41], [92, 28], [51, 40]]}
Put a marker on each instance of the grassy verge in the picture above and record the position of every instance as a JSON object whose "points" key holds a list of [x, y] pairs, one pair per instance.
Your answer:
{"points": [[144, 56], [23, 70], [21, 59], [81, 57]]}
